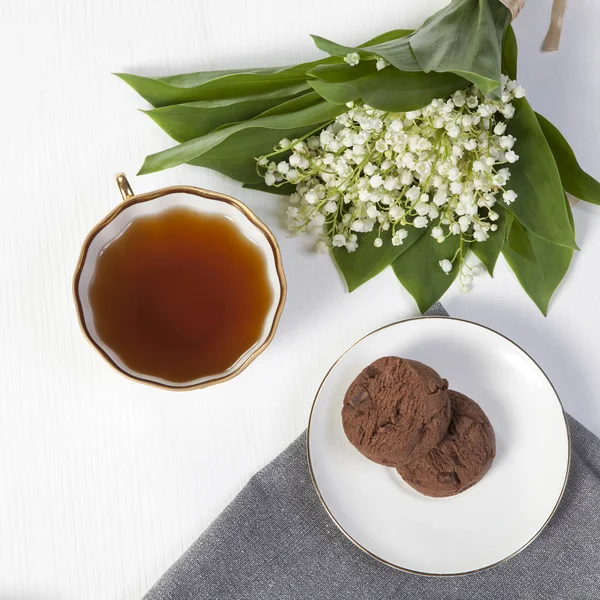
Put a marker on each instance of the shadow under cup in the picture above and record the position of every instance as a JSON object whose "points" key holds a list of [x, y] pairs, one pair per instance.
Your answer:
{"points": [[156, 204]]}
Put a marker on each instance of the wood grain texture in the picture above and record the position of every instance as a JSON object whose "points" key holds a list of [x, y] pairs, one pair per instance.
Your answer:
{"points": [[103, 483]]}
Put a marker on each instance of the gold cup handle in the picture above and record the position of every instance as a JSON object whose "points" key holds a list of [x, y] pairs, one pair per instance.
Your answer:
{"points": [[124, 187]]}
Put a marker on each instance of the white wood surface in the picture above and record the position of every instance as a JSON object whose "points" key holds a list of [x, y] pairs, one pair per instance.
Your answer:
{"points": [[103, 482]]}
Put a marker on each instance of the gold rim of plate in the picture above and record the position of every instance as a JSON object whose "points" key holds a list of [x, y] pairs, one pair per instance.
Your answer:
{"points": [[400, 567], [130, 199]]}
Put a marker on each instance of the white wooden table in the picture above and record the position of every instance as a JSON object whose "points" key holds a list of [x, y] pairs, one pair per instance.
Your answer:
{"points": [[103, 482]]}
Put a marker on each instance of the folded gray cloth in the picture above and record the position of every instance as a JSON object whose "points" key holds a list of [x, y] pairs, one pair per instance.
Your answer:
{"points": [[275, 541]]}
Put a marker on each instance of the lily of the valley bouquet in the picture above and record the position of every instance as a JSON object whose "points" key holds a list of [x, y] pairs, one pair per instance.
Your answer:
{"points": [[413, 150]]}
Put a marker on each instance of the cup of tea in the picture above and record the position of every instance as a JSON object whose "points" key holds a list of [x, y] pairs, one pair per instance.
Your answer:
{"points": [[179, 288]]}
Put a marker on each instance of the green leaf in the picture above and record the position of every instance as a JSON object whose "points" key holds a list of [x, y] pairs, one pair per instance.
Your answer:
{"points": [[388, 36], [282, 190], [464, 38], [487, 252], [190, 120], [343, 72], [228, 84], [540, 205], [336, 93], [519, 241], [388, 89], [235, 156], [540, 282], [419, 271], [240, 168], [218, 85], [367, 261], [292, 105], [395, 49], [231, 150], [510, 53], [574, 179]]}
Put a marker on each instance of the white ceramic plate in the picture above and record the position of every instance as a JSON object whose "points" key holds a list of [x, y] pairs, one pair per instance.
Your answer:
{"points": [[487, 523]]}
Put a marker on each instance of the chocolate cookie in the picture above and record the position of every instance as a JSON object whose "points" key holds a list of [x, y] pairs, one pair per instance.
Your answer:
{"points": [[461, 459], [396, 411]]}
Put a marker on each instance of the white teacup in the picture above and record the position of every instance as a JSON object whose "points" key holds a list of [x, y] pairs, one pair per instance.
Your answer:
{"points": [[153, 203]]}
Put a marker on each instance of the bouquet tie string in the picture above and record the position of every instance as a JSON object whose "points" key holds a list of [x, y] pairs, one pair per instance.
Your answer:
{"points": [[556, 22], [514, 6], [552, 40]]}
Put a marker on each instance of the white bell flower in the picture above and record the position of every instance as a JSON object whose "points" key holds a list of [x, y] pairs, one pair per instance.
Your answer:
{"points": [[322, 247], [480, 235], [445, 265], [391, 183], [399, 237], [396, 213], [406, 177], [376, 181], [352, 59]]}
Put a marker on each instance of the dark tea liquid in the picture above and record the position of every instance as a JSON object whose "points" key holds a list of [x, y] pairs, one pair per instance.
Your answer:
{"points": [[180, 295]]}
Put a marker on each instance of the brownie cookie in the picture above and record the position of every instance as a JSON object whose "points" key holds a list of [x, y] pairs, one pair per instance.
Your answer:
{"points": [[461, 459], [396, 411]]}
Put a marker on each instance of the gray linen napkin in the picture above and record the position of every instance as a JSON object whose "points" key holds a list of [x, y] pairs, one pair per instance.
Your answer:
{"points": [[275, 541]]}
